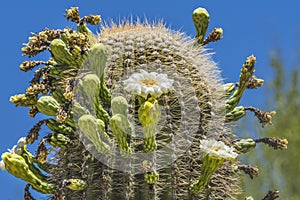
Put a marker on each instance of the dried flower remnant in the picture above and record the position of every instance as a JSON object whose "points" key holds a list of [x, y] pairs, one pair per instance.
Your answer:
{"points": [[250, 170], [265, 118], [214, 36], [271, 195], [276, 143], [254, 82]]}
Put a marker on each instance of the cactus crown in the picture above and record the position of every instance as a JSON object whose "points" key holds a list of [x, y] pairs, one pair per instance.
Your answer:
{"points": [[130, 111]]}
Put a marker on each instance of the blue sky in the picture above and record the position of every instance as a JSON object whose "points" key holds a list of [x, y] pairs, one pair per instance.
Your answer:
{"points": [[250, 27]]}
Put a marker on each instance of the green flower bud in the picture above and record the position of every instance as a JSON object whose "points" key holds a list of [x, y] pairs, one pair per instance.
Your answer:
{"points": [[236, 114], [246, 73], [88, 125], [96, 60], [245, 145], [59, 140], [149, 113], [229, 88], [90, 85], [119, 105], [58, 127], [47, 105], [62, 55], [121, 128], [151, 177], [201, 21], [76, 184], [101, 127]]}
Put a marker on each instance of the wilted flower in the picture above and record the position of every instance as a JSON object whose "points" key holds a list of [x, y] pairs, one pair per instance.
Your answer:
{"points": [[2, 165], [145, 83], [17, 149]]}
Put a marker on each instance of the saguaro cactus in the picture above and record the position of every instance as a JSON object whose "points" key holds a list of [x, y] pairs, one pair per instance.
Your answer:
{"points": [[136, 112]]}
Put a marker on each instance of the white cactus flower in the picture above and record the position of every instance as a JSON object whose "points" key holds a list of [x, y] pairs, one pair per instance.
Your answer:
{"points": [[145, 83], [218, 149]]}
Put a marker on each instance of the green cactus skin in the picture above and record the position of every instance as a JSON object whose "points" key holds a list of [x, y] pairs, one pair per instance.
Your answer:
{"points": [[61, 53], [96, 60]]}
